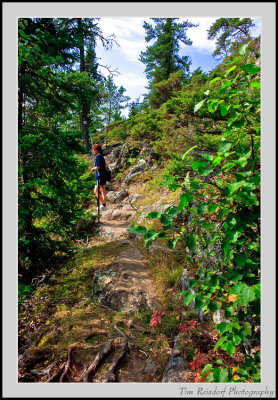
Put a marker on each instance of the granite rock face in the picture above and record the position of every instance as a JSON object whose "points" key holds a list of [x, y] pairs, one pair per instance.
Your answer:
{"points": [[125, 285]]}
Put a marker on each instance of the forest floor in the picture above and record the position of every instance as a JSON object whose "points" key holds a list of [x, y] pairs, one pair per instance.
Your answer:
{"points": [[113, 313]]}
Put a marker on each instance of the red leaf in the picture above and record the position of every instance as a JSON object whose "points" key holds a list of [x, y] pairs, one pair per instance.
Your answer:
{"points": [[156, 318], [187, 326], [197, 377], [199, 360], [191, 323]]}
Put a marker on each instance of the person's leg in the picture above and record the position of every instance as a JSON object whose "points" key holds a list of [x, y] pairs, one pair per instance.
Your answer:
{"points": [[102, 194]]}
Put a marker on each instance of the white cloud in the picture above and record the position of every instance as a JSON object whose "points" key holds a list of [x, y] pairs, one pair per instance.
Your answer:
{"points": [[131, 49], [133, 83], [122, 27], [129, 33], [199, 34]]}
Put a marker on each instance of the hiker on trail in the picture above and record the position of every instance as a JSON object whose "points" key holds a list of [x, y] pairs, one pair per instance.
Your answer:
{"points": [[100, 168]]}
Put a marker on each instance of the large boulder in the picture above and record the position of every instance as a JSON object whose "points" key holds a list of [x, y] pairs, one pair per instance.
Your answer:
{"points": [[115, 197], [137, 170]]}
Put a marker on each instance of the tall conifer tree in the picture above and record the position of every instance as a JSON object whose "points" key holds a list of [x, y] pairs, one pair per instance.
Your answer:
{"points": [[162, 57]]}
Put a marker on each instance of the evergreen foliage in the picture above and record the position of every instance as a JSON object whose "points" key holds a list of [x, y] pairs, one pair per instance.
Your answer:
{"points": [[229, 33], [162, 57]]}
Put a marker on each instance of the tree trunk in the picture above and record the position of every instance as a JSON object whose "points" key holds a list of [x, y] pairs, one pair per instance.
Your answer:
{"points": [[84, 114]]}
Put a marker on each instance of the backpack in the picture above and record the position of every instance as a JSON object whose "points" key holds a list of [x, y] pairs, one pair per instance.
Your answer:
{"points": [[108, 175]]}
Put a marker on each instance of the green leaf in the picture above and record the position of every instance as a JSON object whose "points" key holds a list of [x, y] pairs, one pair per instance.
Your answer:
{"points": [[236, 339], [220, 374], [172, 242], [140, 230], [223, 327], [23, 34], [255, 85], [188, 298], [214, 306], [154, 214], [206, 92], [250, 199], [199, 105], [246, 295], [251, 69], [212, 207], [185, 198], [199, 302], [257, 289], [222, 213], [220, 342], [225, 86], [225, 146], [207, 368], [229, 311], [233, 187], [202, 208], [224, 109], [213, 105], [214, 80], [191, 241], [203, 171], [150, 235], [193, 282], [230, 70], [208, 157], [247, 328], [238, 123], [188, 151]]}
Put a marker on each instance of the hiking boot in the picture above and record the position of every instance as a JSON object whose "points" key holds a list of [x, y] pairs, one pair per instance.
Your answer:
{"points": [[103, 208]]}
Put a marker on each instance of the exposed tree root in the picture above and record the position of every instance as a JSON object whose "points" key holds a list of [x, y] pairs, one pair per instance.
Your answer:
{"points": [[131, 324], [110, 376], [66, 365], [99, 357], [57, 373], [94, 334], [128, 340]]}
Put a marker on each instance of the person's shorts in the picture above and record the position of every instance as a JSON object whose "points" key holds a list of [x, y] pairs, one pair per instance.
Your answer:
{"points": [[101, 182]]}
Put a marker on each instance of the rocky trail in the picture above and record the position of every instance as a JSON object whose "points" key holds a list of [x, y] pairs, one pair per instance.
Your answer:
{"points": [[121, 288]]}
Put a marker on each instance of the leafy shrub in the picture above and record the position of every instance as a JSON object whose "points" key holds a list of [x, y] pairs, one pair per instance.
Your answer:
{"points": [[221, 203]]}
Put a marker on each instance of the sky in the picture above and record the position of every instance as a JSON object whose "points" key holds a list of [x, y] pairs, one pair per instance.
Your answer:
{"points": [[130, 36]]}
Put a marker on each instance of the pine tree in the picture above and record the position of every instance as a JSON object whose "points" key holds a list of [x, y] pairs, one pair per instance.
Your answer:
{"points": [[162, 58], [49, 186], [113, 101], [228, 31]]}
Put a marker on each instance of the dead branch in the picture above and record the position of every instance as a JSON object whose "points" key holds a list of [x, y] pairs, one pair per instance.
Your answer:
{"points": [[99, 357], [110, 376]]}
